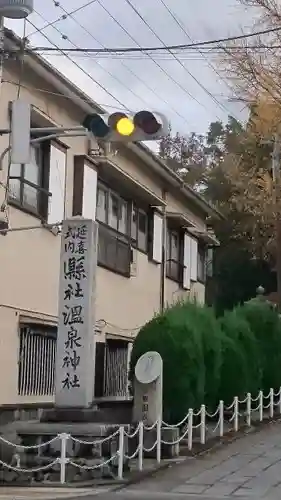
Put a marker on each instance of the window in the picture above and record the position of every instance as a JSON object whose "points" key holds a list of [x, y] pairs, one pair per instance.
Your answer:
{"points": [[174, 265], [114, 248], [201, 263], [112, 210], [122, 225], [139, 228], [37, 353], [27, 183]]}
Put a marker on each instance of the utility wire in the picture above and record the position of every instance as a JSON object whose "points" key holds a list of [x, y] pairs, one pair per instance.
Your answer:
{"points": [[78, 65], [57, 94], [89, 57], [61, 18], [215, 41], [163, 70], [184, 30], [128, 68], [176, 58]]}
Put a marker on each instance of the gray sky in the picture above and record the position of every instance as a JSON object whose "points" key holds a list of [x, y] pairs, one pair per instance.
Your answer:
{"points": [[137, 82]]}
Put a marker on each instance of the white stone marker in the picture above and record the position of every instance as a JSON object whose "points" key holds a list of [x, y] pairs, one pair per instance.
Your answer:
{"points": [[148, 388], [75, 357]]}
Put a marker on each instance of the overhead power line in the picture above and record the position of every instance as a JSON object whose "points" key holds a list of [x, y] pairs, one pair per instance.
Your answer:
{"points": [[124, 50], [161, 99], [63, 17]]}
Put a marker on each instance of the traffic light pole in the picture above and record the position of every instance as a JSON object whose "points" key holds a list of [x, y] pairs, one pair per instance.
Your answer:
{"points": [[52, 133]]}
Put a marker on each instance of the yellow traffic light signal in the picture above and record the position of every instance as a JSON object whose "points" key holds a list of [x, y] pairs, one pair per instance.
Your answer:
{"points": [[120, 127]]}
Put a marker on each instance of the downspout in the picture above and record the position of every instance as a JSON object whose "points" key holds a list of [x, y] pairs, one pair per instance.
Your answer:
{"points": [[164, 254]]}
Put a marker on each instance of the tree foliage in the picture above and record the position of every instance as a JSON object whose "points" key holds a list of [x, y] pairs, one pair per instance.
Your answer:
{"points": [[206, 359], [188, 338], [231, 168]]}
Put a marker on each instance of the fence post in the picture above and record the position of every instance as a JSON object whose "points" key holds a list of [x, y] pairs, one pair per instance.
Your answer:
{"points": [[63, 460], [249, 409], [280, 400], [121, 452], [271, 403], [236, 413], [261, 405], [221, 418], [203, 425], [158, 442], [190, 428], [140, 457]]}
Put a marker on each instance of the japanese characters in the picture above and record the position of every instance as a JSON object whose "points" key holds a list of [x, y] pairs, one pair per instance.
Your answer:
{"points": [[75, 359], [73, 311]]}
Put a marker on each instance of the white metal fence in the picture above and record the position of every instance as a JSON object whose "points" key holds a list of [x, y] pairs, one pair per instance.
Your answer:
{"points": [[223, 417]]}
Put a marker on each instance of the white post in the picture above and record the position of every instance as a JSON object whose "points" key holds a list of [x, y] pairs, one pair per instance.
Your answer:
{"points": [[221, 417], [249, 409], [203, 425], [121, 452], [236, 413], [158, 442], [261, 405], [140, 456], [271, 403], [63, 460], [280, 400], [190, 428]]}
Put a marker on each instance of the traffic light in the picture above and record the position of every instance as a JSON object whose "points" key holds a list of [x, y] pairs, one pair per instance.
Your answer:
{"points": [[120, 127]]}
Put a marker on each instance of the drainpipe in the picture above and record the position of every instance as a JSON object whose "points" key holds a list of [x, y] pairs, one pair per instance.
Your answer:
{"points": [[164, 254]]}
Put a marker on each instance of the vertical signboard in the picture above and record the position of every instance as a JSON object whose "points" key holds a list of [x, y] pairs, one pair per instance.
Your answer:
{"points": [[75, 359]]}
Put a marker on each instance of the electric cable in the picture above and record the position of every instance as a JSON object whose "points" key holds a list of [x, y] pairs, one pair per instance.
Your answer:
{"points": [[184, 30], [78, 66], [163, 70], [176, 58], [61, 18], [215, 41], [127, 67]]}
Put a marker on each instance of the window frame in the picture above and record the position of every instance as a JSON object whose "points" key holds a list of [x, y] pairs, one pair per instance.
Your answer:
{"points": [[201, 263], [42, 191], [135, 241], [107, 231], [178, 276], [122, 237]]}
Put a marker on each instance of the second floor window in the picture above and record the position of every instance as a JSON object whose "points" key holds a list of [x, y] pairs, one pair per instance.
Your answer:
{"points": [[201, 263], [27, 182], [123, 225], [139, 228], [174, 255], [112, 210]]}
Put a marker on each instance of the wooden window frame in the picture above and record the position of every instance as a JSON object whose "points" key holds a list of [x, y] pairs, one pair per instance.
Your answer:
{"points": [[171, 262], [201, 264], [43, 194]]}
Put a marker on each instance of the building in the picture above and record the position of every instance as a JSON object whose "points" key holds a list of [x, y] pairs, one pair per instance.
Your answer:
{"points": [[130, 192]]}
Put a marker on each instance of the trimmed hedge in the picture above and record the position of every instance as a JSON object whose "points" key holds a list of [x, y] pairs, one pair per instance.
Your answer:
{"points": [[206, 359]]}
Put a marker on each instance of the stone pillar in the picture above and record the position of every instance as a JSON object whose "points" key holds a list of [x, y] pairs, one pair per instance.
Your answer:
{"points": [[148, 390], [75, 357]]}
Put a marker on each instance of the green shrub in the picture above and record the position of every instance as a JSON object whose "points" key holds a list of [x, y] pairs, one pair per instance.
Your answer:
{"points": [[188, 337], [266, 327], [241, 371]]}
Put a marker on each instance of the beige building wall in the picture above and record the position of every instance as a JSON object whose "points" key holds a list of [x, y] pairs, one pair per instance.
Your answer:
{"points": [[30, 259]]}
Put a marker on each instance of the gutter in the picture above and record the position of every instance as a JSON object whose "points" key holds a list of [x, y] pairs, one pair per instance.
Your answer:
{"points": [[87, 105]]}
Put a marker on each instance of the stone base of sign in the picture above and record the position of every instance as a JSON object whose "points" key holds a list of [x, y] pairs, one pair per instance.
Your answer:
{"points": [[82, 454], [109, 411]]}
